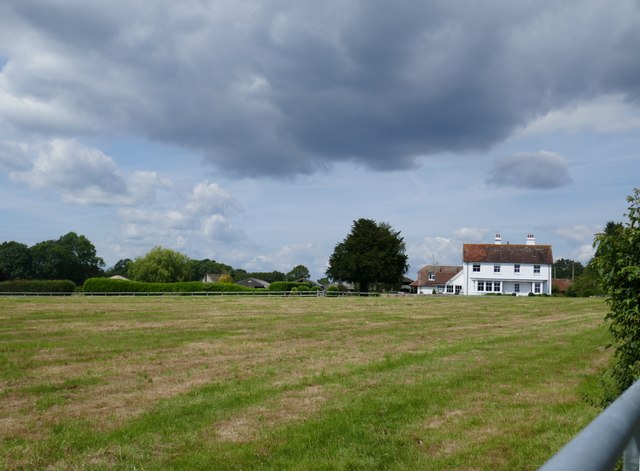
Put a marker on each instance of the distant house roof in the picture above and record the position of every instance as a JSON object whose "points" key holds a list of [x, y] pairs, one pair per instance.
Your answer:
{"points": [[433, 275], [561, 284], [211, 278], [308, 281], [253, 283], [507, 253]]}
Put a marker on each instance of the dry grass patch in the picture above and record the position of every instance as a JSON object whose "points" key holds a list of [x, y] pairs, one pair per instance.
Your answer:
{"points": [[290, 406]]}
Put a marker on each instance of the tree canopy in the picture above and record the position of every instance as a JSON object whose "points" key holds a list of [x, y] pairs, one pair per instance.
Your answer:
{"points": [[298, 272], [566, 268], [371, 253], [15, 261], [71, 257], [617, 263], [161, 265]]}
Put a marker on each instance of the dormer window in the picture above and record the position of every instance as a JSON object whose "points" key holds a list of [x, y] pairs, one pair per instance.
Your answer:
{"points": [[432, 276]]}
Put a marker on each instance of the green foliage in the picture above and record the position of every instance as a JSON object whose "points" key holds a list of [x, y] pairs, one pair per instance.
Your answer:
{"points": [[372, 253], [586, 285], [37, 286], [617, 263], [121, 268], [199, 268], [161, 265], [291, 285], [269, 277], [298, 272], [565, 268], [15, 261], [226, 278], [71, 257], [107, 285]]}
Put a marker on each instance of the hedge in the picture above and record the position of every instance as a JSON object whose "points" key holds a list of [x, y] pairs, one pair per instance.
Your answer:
{"points": [[108, 285], [37, 286], [289, 285]]}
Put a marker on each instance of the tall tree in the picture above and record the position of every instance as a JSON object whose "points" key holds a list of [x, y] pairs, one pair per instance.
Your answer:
{"points": [[298, 272], [617, 262], [371, 253], [15, 261], [161, 265], [71, 257]]}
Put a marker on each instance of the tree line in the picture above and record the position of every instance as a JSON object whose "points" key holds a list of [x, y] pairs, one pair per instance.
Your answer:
{"points": [[372, 255], [73, 257]]}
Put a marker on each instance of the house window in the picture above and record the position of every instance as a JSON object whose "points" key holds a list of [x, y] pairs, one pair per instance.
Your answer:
{"points": [[480, 285], [516, 268], [440, 288], [536, 269], [488, 286], [449, 288], [476, 268], [496, 287], [458, 289], [516, 288], [536, 288], [432, 276], [496, 269]]}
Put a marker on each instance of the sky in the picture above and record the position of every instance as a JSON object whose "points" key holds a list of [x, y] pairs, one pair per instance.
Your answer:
{"points": [[254, 133]]}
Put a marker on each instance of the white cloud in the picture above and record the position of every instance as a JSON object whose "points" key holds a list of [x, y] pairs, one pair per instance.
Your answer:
{"points": [[440, 250], [470, 234], [194, 217], [79, 173], [577, 233], [603, 114], [208, 198]]}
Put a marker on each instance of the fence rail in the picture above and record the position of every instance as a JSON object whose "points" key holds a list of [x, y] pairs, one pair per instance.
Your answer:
{"points": [[260, 293], [614, 433]]}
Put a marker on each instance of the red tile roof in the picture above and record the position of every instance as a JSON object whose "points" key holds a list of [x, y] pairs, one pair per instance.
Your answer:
{"points": [[443, 273], [507, 253]]}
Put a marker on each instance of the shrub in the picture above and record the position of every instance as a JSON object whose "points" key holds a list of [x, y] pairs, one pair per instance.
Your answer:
{"points": [[107, 285], [37, 286], [285, 285]]}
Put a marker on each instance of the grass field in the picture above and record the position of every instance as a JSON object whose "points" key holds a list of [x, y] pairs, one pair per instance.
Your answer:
{"points": [[294, 383]]}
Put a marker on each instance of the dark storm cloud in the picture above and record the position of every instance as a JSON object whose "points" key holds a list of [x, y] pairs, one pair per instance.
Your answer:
{"points": [[288, 87], [538, 170]]}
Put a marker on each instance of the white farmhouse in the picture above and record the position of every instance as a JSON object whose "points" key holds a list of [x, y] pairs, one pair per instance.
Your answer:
{"points": [[495, 268], [507, 268]]}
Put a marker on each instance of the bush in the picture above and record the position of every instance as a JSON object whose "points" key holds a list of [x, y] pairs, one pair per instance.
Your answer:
{"points": [[107, 285], [37, 286], [290, 285]]}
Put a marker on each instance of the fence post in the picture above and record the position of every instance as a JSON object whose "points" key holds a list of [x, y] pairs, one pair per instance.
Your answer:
{"points": [[631, 453]]}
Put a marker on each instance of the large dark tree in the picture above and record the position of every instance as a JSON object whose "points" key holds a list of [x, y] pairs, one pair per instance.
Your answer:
{"points": [[71, 257], [617, 262], [15, 261], [372, 253]]}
